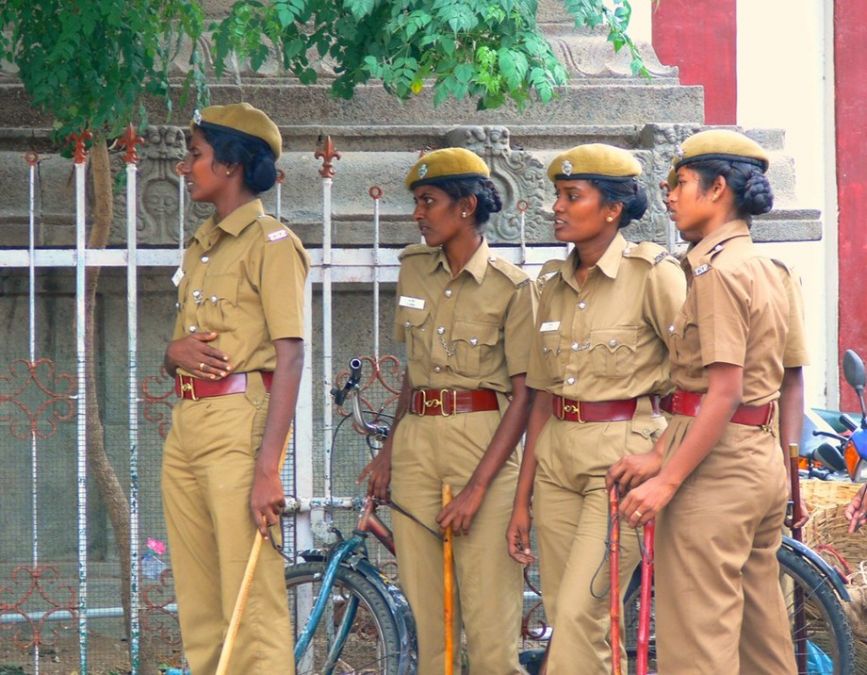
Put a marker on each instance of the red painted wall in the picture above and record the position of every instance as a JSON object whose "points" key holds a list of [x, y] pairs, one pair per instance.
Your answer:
{"points": [[701, 40], [850, 80]]}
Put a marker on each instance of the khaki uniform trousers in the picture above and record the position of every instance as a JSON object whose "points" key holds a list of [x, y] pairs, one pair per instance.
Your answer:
{"points": [[430, 451], [570, 509], [207, 476], [719, 604]]}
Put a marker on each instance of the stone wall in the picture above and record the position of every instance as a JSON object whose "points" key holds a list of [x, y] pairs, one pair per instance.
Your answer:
{"points": [[379, 138]]}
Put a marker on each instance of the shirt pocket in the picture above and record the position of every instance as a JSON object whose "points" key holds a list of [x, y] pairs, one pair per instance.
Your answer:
{"points": [[550, 346], [473, 342], [415, 331], [612, 351], [676, 338], [218, 308]]}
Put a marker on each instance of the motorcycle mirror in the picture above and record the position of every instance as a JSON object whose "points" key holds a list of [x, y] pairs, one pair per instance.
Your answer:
{"points": [[830, 457], [853, 371]]}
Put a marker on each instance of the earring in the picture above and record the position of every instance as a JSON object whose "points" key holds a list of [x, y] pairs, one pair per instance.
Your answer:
{"points": [[228, 173], [609, 219], [463, 214]]}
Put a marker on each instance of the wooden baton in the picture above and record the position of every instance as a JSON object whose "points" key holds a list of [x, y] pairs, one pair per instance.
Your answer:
{"points": [[244, 591], [448, 590]]}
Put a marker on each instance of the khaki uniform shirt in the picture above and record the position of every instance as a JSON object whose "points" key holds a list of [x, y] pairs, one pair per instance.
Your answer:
{"points": [[742, 308], [606, 340], [467, 332], [243, 278]]}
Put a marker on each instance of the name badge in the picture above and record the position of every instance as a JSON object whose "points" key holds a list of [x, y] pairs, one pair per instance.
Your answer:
{"points": [[277, 235], [177, 276], [412, 303], [549, 326]]}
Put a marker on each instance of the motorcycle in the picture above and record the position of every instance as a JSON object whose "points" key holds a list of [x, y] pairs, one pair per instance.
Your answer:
{"points": [[846, 458]]}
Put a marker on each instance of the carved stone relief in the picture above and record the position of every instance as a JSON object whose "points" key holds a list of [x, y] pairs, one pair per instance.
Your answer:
{"points": [[518, 176], [159, 199]]}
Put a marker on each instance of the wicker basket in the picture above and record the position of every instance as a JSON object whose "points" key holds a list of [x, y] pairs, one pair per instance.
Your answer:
{"points": [[827, 532], [820, 494]]}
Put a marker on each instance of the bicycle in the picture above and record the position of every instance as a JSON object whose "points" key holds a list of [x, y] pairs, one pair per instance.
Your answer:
{"points": [[829, 646], [356, 619]]}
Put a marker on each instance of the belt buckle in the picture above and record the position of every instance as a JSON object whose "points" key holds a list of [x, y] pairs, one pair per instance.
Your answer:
{"points": [[432, 402], [454, 411], [573, 409], [189, 386], [418, 409]]}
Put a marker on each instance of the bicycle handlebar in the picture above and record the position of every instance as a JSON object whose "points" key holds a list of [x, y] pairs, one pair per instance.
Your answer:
{"points": [[351, 387]]}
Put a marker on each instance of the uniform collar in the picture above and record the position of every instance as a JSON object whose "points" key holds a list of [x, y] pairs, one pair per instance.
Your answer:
{"points": [[233, 224], [476, 266], [608, 264], [700, 250]]}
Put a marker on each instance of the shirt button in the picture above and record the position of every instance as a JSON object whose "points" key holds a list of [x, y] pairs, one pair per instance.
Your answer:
{"points": [[441, 330], [406, 324], [437, 369], [193, 329], [570, 380], [204, 258], [178, 306], [545, 350], [493, 258], [448, 292], [671, 328], [612, 342], [582, 305], [474, 341], [574, 346], [214, 299]]}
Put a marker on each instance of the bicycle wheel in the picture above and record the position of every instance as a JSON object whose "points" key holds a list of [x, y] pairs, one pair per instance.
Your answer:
{"points": [[826, 636], [356, 634], [828, 645]]}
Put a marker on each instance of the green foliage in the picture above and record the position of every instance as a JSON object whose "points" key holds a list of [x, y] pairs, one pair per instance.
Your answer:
{"points": [[490, 50], [614, 14], [90, 64]]}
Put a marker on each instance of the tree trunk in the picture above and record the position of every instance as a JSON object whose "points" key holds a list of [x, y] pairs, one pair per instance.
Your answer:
{"points": [[100, 468]]}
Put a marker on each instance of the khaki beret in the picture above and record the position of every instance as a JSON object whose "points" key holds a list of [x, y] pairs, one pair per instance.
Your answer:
{"points": [[718, 144], [446, 164], [594, 160], [243, 119]]}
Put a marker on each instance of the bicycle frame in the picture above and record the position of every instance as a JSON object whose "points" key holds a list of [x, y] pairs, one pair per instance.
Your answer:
{"points": [[337, 555]]}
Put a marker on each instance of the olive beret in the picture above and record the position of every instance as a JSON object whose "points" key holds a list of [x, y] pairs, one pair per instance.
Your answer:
{"points": [[242, 119], [594, 160], [718, 144], [446, 164]]}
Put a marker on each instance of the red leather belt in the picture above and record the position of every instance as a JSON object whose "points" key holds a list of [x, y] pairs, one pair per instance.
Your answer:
{"points": [[447, 402], [688, 403], [194, 388], [598, 411]]}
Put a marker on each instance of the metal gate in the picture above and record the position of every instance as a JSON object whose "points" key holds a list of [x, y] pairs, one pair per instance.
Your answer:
{"points": [[60, 577]]}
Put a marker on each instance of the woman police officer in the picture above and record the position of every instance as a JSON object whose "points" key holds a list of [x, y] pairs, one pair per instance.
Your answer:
{"points": [[236, 355], [720, 496], [598, 363], [466, 317]]}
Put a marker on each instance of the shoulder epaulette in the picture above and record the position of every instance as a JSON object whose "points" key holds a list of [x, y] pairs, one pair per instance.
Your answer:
{"points": [[512, 272], [704, 268], [416, 249], [274, 230], [782, 265], [648, 251], [548, 271]]}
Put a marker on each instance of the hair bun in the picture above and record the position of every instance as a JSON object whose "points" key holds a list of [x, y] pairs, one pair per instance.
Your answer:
{"points": [[260, 173], [489, 192], [758, 197]]}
